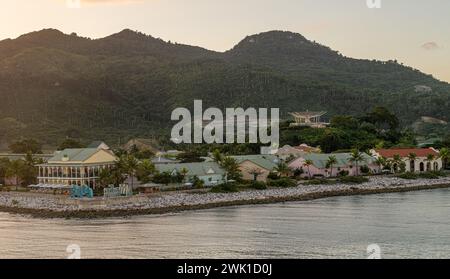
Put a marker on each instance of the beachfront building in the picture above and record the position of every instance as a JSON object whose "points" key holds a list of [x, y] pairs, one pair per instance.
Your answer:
{"points": [[309, 119], [343, 164], [209, 172], [80, 166], [256, 167], [413, 159]]}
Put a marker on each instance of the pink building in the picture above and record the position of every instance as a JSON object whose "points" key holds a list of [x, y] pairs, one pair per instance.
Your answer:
{"points": [[320, 168]]}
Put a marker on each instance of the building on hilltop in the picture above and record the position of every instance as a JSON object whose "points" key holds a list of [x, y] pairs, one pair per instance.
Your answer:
{"points": [[309, 119]]}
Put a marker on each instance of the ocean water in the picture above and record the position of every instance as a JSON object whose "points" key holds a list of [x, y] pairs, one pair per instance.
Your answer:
{"points": [[402, 225]]}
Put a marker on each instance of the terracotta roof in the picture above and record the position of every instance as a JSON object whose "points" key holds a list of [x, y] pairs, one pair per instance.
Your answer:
{"points": [[404, 152]]}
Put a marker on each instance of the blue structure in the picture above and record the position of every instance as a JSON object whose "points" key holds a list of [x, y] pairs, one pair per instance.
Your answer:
{"points": [[81, 192]]}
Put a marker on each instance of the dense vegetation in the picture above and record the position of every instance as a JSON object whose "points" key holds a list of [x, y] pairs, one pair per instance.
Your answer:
{"points": [[54, 85]]}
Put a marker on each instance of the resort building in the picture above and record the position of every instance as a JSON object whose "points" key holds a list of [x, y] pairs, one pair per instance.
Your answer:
{"points": [[256, 167], [309, 119], [80, 166], [414, 159], [209, 172], [287, 151], [344, 164]]}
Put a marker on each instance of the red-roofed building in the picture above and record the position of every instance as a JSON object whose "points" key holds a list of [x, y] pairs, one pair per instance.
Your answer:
{"points": [[426, 159]]}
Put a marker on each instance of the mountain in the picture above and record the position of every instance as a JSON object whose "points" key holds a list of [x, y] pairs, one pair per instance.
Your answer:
{"points": [[54, 85]]}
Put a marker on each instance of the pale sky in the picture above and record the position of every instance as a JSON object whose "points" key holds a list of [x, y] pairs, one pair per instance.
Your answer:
{"points": [[415, 32]]}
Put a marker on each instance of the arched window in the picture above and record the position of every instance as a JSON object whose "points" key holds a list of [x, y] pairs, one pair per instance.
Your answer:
{"points": [[436, 166], [422, 167]]}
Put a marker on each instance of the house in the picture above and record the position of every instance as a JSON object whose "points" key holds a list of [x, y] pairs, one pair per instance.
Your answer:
{"points": [[256, 166], [288, 151], [309, 119], [79, 166], [209, 172], [415, 159], [164, 161], [320, 168], [99, 145]]}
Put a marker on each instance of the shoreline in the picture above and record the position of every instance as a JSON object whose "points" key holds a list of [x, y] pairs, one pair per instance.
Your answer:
{"points": [[186, 202]]}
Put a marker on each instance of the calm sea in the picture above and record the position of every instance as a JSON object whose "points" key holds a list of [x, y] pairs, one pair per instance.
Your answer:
{"points": [[405, 225]]}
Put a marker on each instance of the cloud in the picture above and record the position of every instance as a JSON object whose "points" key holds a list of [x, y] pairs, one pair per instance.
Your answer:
{"points": [[430, 46]]}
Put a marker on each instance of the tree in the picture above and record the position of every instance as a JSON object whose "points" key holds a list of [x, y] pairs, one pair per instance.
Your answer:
{"points": [[381, 163], [4, 165], [128, 165], [184, 172], [429, 160], [332, 160], [15, 170], [412, 159], [26, 146], [283, 169], [308, 163], [355, 158], [190, 157], [445, 156], [144, 170], [217, 156], [70, 143], [231, 167], [396, 162]]}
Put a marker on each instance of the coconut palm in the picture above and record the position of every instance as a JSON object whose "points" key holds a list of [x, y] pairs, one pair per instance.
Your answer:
{"points": [[412, 159], [429, 160], [380, 162], [355, 158], [283, 169], [444, 154], [332, 161], [184, 172], [396, 162], [308, 163]]}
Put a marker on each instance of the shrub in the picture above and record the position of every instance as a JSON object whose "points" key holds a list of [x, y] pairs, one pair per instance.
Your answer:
{"points": [[273, 176], [225, 188], [320, 182], [408, 175], [365, 169], [343, 173], [429, 175], [283, 183], [353, 180], [257, 185]]}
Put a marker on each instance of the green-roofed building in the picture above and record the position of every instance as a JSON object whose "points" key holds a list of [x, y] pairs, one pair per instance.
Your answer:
{"points": [[320, 166], [76, 166], [256, 167], [209, 172]]}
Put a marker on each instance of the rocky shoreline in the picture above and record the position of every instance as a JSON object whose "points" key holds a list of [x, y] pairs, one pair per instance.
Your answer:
{"points": [[49, 206]]}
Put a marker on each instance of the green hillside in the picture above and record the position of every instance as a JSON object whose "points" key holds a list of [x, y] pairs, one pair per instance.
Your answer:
{"points": [[54, 85]]}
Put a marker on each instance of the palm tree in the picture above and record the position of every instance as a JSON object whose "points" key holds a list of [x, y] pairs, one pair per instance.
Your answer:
{"points": [[396, 160], [231, 167], [217, 156], [15, 170], [355, 158], [444, 153], [380, 162], [308, 163], [283, 169], [332, 160], [412, 159], [430, 158], [128, 164], [184, 172]]}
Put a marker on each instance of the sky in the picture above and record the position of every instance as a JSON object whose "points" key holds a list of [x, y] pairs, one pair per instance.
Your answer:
{"points": [[414, 32]]}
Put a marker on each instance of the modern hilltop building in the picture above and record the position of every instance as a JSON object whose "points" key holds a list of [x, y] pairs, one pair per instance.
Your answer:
{"points": [[76, 166], [309, 119]]}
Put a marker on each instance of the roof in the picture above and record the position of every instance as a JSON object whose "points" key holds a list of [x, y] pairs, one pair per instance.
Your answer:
{"points": [[73, 155], [343, 159], [308, 114], [163, 160], [404, 152], [198, 169], [98, 144], [268, 162]]}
